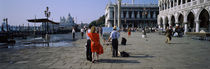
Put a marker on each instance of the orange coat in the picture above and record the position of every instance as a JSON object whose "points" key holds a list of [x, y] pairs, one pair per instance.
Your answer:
{"points": [[96, 46]]}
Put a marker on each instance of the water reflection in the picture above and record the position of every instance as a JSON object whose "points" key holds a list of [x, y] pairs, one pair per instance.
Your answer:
{"points": [[56, 40]]}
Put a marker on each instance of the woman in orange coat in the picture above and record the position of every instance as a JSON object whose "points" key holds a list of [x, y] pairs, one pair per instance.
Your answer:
{"points": [[129, 31], [96, 47]]}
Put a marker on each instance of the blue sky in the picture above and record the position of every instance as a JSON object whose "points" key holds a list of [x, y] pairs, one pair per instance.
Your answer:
{"points": [[18, 11]]}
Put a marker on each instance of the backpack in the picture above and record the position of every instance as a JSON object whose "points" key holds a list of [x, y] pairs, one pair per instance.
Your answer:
{"points": [[123, 42], [124, 54]]}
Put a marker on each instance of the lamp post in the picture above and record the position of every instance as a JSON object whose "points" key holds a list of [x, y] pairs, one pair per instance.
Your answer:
{"points": [[47, 14]]}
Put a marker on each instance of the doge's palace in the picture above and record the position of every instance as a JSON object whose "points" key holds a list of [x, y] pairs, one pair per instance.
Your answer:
{"points": [[192, 15]]}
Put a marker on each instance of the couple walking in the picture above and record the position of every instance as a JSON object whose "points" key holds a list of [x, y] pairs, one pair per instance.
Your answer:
{"points": [[94, 48]]}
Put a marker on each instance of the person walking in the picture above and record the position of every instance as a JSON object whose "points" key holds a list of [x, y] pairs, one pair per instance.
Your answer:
{"points": [[168, 35], [114, 36], [88, 45], [144, 35], [73, 33], [96, 47], [82, 32], [129, 31]]}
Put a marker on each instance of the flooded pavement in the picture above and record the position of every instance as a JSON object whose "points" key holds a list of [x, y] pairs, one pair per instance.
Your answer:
{"points": [[56, 40]]}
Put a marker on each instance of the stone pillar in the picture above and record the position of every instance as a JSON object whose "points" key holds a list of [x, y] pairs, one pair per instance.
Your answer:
{"points": [[109, 24], [133, 25], [138, 14], [122, 15], [177, 22], [164, 24], [177, 2], [185, 27], [149, 15], [197, 26], [127, 14], [169, 22], [154, 15], [132, 14], [115, 23], [119, 10], [181, 2], [173, 3], [169, 3]]}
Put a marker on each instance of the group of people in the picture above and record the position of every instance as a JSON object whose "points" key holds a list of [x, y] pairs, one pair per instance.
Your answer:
{"points": [[178, 32], [93, 46]]}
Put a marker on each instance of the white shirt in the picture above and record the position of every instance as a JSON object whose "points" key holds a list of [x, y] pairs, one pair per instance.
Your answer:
{"points": [[88, 31], [114, 35], [73, 31], [82, 30]]}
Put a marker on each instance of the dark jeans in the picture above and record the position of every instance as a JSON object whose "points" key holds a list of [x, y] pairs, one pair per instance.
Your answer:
{"points": [[73, 35], [88, 50], [114, 47], [82, 35]]}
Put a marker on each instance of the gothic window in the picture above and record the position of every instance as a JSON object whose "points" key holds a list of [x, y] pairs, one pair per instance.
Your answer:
{"points": [[179, 2], [172, 4], [183, 1]]}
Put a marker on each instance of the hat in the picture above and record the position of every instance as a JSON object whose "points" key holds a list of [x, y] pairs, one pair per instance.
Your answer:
{"points": [[114, 28]]}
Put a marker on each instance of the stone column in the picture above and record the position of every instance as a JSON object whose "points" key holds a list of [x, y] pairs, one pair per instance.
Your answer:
{"points": [[127, 14], [122, 15], [119, 10], [132, 14], [169, 22], [154, 15], [138, 14], [185, 27], [197, 22], [115, 23], [149, 15], [164, 24], [177, 2], [169, 3], [109, 24], [181, 2], [173, 3]]}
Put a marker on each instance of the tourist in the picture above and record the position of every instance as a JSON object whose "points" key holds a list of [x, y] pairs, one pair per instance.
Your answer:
{"points": [[88, 45], [82, 32], [101, 31], [96, 47], [73, 33], [129, 31], [143, 33], [168, 35], [114, 36]]}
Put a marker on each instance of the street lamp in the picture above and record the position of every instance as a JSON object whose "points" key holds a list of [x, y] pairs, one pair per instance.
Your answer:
{"points": [[47, 14]]}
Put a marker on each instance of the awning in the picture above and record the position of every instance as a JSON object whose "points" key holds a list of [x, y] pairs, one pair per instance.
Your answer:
{"points": [[45, 20]]}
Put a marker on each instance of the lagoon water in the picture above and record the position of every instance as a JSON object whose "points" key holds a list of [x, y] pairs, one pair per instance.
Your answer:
{"points": [[56, 40]]}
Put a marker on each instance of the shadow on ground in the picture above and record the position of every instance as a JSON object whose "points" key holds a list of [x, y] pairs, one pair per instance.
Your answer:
{"points": [[117, 61], [178, 43], [141, 56]]}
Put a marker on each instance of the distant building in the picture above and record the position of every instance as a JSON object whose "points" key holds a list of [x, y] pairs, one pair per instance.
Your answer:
{"points": [[67, 23], [132, 15], [193, 15]]}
